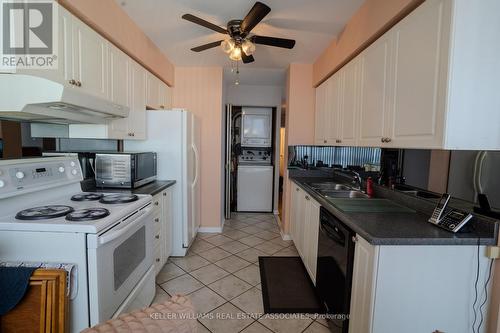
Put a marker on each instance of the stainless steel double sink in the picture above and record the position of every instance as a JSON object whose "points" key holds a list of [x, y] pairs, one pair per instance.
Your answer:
{"points": [[336, 190]]}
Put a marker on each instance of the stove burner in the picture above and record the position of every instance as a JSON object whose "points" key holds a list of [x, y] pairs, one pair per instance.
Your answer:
{"points": [[86, 197], [88, 214], [118, 198], [44, 212]]}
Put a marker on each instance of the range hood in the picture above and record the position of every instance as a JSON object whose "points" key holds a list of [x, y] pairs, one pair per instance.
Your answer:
{"points": [[36, 99]]}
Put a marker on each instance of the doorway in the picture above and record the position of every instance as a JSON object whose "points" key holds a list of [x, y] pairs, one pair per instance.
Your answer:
{"points": [[252, 160]]}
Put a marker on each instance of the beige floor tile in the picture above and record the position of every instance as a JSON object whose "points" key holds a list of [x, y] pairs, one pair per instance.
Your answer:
{"points": [[250, 302], [205, 300], [215, 254], [234, 247], [252, 255], [219, 240], [269, 247], [160, 295], [316, 327], [249, 274], [229, 287], [201, 329], [232, 264], [292, 325], [256, 327], [200, 245], [168, 272], [235, 234], [225, 320], [190, 263], [183, 284], [205, 235], [280, 241], [287, 252], [322, 321], [251, 240], [267, 235], [252, 230], [209, 274], [259, 286]]}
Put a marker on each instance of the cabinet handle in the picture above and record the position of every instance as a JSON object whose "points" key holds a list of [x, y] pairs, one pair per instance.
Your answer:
{"points": [[382, 139], [324, 141], [72, 82], [164, 194], [355, 239], [133, 134], [157, 220], [307, 198], [162, 106], [157, 259], [157, 236], [78, 84], [156, 203], [388, 139], [297, 189], [338, 141]]}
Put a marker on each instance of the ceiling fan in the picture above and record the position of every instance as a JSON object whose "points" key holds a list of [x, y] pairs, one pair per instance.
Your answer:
{"points": [[241, 45]]}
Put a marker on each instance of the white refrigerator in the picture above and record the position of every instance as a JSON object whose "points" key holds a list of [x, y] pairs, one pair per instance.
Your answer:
{"points": [[175, 136]]}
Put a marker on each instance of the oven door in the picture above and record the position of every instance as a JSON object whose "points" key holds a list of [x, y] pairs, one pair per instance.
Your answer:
{"points": [[144, 168], [118, 259]]}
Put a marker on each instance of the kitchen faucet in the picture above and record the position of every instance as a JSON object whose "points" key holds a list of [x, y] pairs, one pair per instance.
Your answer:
{"points": [[356, 179]]}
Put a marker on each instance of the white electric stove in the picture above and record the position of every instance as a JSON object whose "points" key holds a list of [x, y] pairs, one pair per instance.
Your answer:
{"points": [[44, 217]]}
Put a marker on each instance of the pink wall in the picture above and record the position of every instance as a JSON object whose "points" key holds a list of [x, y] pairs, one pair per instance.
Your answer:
{"points": [[199, 90], [299, 121], [372, 19], [111, 21]]}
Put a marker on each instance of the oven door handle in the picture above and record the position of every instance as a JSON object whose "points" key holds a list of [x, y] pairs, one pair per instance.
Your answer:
{"points": [[112, 235]]}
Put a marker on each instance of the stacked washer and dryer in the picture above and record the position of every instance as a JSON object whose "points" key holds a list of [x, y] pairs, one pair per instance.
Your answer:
{"points": [[255, 166]]}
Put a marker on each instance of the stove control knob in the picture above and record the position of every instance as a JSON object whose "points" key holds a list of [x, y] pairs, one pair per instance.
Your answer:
{"points": [[2, 183], [61, 169], [74, 172], [72, 163], [19, 175]]}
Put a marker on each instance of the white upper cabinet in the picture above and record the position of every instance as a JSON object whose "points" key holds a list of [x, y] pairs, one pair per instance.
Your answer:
{"points": [[320, 115], [158, 93], [350, 103], [375, 86], [119, 75], [428, 82], [328, 107], [90, 60], [421, 45], [137, 116]]}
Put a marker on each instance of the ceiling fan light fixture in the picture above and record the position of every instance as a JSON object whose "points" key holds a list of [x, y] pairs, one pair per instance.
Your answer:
{"points": [[235, 54], [248, 47], [227, 45]]}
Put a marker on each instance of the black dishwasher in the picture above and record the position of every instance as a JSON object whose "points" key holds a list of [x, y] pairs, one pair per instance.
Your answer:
{"points": [[334, 269]]}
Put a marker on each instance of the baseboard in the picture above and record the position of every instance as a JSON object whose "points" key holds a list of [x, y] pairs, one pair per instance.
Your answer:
{"points": [[285, 237], [210, 230], [276, 212]]}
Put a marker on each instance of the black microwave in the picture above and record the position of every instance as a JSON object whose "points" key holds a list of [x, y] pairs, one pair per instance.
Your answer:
{"points": [[125, 170]]}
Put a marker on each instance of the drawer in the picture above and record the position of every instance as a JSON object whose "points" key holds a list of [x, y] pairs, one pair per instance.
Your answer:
{"points": [[157, 204], [157, 260]]}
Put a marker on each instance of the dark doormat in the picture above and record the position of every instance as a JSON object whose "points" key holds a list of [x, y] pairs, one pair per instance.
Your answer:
{"points": [[286, 286]]}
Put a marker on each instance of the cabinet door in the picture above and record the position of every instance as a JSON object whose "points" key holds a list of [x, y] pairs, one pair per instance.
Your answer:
{"points": [[64, 72], [421, 44], [363, 286], [90, 55], [137, 117], [374, 106], [119, 88], [350, 96], [293, 211], [333, 105], [163, 95], [320, 115], [167, 223], [153, 91], [312, 226]]}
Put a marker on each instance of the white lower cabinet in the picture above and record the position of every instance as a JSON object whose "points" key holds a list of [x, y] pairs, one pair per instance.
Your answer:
{"points": [[304, 228], [414, 289], [162, 219]]}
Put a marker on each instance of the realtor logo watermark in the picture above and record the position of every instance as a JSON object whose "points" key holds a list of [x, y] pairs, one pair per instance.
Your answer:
{"points": [[29, 34]]}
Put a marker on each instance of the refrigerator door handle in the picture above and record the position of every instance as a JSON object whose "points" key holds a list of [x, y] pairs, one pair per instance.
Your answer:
{"points": [[195, 150]]}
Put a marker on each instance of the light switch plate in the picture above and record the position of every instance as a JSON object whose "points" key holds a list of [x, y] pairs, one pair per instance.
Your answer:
{"points": [[493, 252]]}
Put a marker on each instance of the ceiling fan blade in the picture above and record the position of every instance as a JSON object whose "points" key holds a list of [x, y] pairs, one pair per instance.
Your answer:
{"points": [[274, 41], [202, 22], [206, 46], [246, 59], [254, 16]]}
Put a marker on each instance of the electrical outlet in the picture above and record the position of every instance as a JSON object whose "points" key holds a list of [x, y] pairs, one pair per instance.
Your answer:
{"points": [[493, 252]]}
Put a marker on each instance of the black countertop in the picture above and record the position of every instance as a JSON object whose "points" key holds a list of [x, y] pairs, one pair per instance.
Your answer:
{"points": [[403, 228], [151, 188]]}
